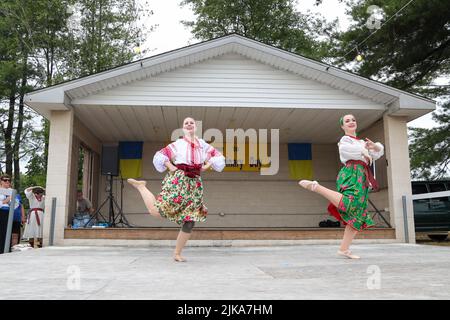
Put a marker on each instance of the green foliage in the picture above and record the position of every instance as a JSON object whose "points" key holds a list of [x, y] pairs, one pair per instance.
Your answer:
{"points": [[105, 34], [410, 50], [45, 42], [274, 22]]}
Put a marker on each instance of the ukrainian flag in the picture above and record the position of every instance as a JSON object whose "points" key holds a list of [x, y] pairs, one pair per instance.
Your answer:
{"points": [[300, 161], [130, 155]]}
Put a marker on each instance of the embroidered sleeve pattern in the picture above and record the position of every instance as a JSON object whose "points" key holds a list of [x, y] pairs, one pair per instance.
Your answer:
{"points": [[214, 157], [350, 149], [162, 156]]}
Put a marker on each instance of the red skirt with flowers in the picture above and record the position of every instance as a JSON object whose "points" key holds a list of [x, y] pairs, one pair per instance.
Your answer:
{"points": [[352, 209], [181, 198]]}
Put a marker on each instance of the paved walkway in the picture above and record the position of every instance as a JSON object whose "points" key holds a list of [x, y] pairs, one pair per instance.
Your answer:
{"points": [[387, 271]]}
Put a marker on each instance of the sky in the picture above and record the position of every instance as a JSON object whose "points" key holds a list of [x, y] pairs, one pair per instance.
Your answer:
{"points": [[170, 34]]}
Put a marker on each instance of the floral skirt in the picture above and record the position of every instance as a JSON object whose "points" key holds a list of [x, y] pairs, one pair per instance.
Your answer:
{"points": [[181, 198], [352, 209]]}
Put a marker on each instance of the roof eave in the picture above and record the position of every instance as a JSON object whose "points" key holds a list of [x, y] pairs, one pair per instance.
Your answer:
{"points": [[44, 103], [56, 95], [411, 107]]}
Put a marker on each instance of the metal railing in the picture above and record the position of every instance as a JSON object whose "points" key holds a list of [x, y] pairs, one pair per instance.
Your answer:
{"points": [[52, 223], [10, 193], [431, 195]]}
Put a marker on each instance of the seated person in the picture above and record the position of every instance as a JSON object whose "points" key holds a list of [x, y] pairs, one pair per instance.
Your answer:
{"points": [[82, 218], [84, 206]]}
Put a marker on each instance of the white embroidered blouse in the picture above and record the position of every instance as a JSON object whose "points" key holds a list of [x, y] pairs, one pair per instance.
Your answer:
{"points": [[351, 148], [182, 151]]}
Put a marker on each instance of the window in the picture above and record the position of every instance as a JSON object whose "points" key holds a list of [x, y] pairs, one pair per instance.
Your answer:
{"points": [[419, 188], [437, 187], [438, 203], [422, 205]]}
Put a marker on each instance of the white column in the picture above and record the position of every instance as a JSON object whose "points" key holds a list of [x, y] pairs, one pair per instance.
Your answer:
{"points": [[58, 173], [399, 176]]}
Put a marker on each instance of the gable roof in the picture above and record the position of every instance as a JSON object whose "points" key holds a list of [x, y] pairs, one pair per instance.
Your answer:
{"points": [[398, 102]]}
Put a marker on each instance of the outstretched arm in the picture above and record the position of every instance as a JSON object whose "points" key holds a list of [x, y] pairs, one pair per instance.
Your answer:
{"points": [[376, 149]]}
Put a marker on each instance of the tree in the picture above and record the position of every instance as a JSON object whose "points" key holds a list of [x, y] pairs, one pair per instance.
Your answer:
{"points": [[24, 29], [407, 46], [274, 22], [52, 40], [408, 49], [430, 148], [37, 49], [13, 70], [106, 34]]}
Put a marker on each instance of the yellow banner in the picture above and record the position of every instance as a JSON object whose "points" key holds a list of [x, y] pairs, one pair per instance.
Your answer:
{"points": [[244, 157], [131, 168]]}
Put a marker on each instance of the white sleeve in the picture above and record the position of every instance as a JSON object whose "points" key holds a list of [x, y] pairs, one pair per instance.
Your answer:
{"points": [[350, 149], [29, 193], [213, 156], [377, 155], [162, 156], [217, 163], [159, 161]]}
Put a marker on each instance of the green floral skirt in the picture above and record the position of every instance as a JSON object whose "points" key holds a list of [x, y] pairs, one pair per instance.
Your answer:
{"points": [[352, 209], [181, 198]]}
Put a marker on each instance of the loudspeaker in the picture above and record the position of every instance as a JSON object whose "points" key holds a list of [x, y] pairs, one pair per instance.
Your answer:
{"points": [[110, 160]]}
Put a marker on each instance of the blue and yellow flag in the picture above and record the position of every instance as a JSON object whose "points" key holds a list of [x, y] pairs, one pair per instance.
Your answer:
{"points": [[300, 161], [130, 155]]}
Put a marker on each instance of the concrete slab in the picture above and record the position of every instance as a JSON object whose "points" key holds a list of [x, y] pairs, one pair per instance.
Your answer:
{"points": [[386, 271]]}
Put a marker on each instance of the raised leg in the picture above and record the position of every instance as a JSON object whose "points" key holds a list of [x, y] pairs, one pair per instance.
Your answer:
{"points": [[333, 196], [147, 196]]}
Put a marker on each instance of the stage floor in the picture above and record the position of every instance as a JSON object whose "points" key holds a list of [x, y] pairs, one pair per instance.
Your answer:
{"points": [[385, 271]]}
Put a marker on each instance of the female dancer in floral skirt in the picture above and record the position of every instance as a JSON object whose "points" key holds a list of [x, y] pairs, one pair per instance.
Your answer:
{"points": [[181, 198], [349, 203]]}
